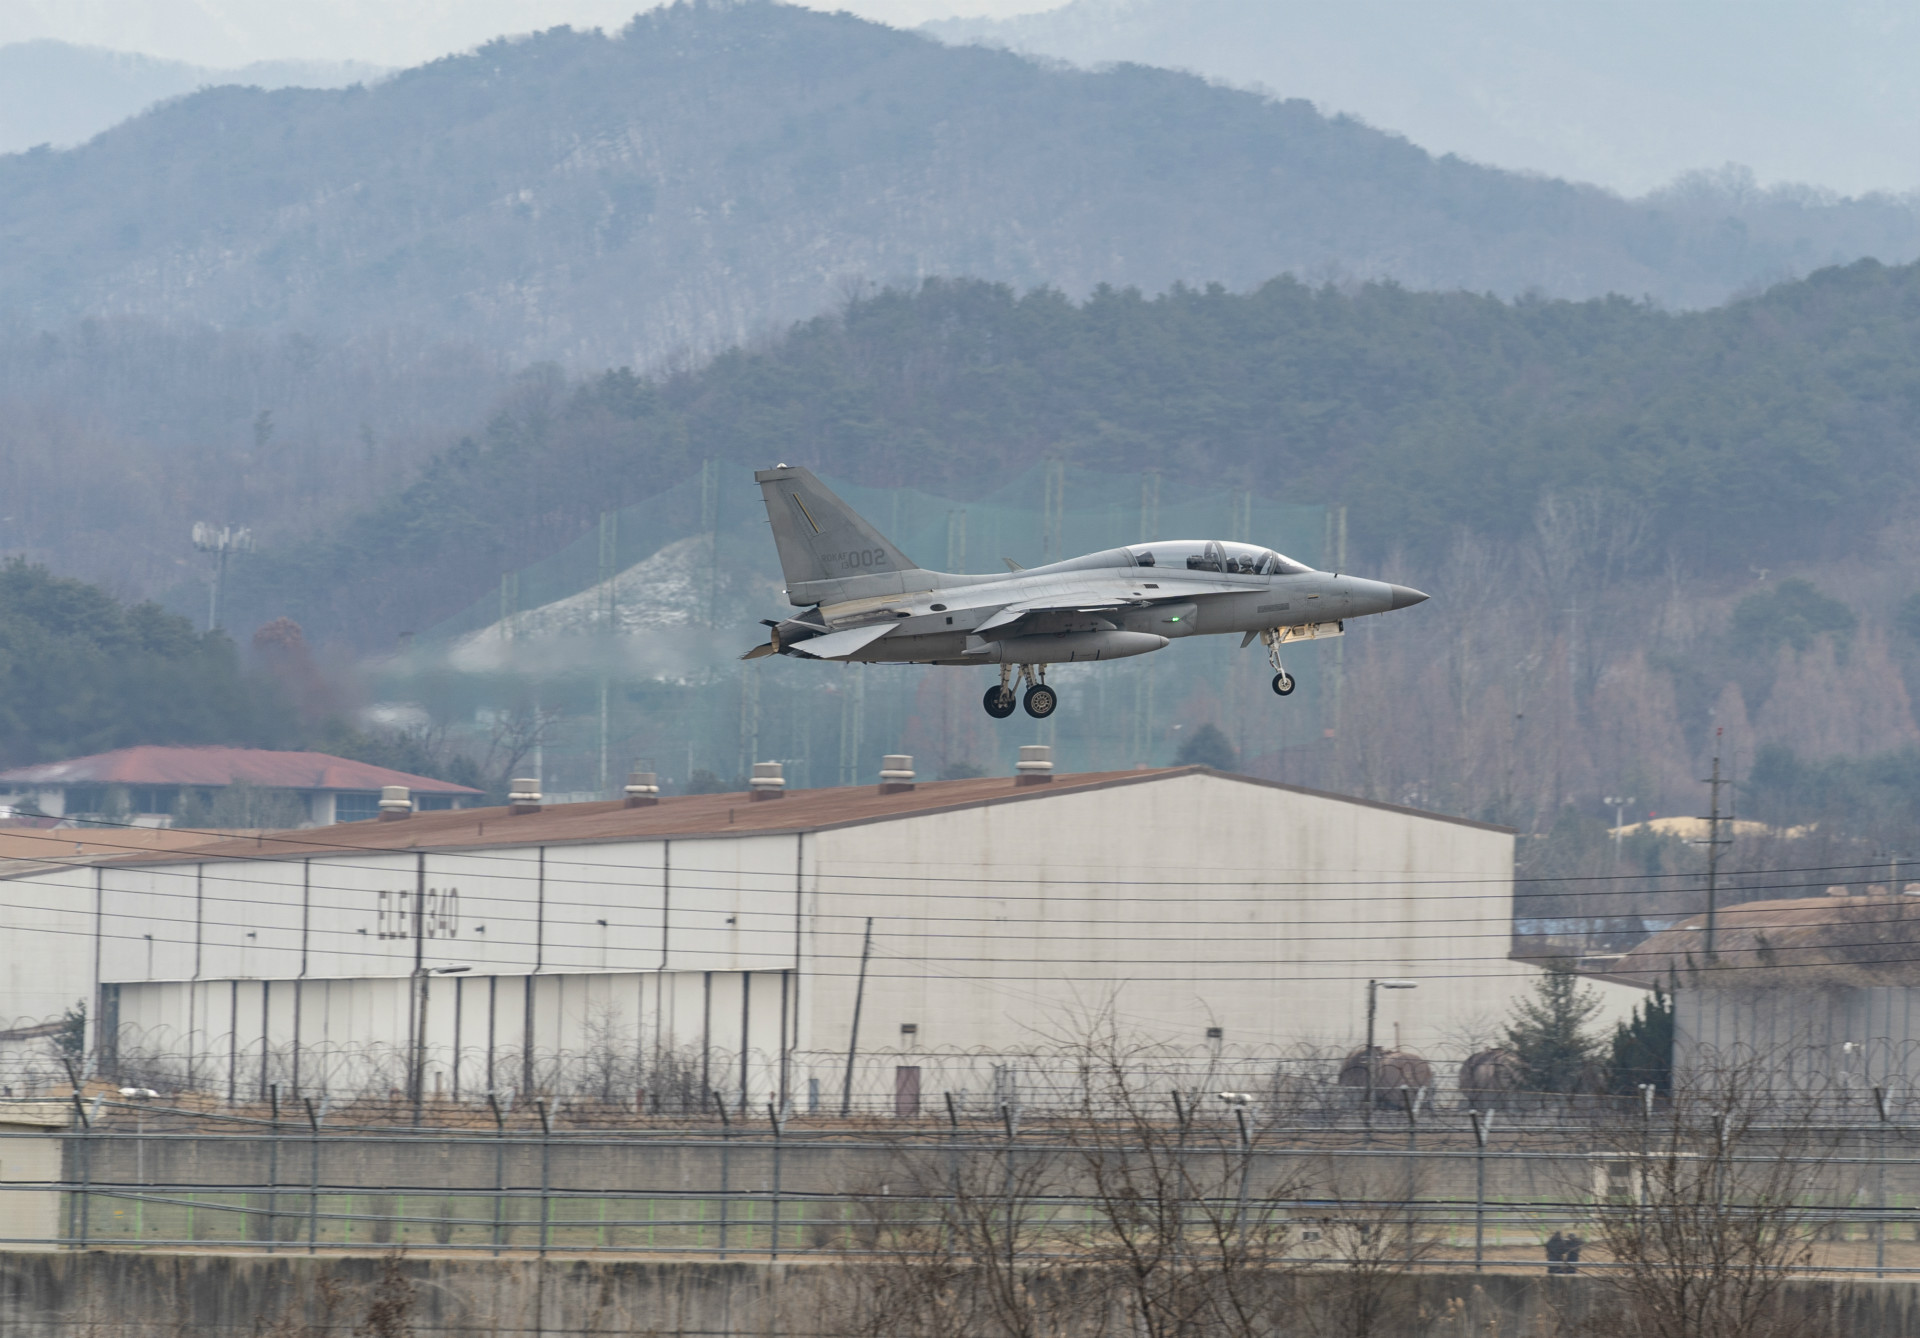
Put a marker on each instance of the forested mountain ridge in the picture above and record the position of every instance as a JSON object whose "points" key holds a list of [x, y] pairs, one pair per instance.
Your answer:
{"points": [[716, 170], [1779, 428]]}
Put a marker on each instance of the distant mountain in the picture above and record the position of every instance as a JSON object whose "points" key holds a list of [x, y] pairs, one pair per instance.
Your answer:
{"points": [[1626, 93], [717, 170], [59, 94]]}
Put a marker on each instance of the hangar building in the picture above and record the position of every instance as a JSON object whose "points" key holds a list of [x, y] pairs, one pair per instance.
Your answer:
{"points": [[488, 949]]}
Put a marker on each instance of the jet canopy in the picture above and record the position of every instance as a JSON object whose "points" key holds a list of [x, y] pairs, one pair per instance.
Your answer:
{"points": [[1216, 555]]}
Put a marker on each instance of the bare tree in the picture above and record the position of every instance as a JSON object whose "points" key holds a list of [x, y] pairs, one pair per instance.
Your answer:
{"points": [[515, 733], [1704, 1212]]}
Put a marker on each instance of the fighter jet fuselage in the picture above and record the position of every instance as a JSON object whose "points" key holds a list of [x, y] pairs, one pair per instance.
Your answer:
{"points": [[864, 600]]}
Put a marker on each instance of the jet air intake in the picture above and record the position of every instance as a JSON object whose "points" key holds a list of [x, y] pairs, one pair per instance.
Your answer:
{"points": [[1066, 647]]}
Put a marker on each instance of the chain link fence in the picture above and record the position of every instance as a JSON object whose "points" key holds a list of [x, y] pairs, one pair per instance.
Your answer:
{"points": [[1415, 1187]]}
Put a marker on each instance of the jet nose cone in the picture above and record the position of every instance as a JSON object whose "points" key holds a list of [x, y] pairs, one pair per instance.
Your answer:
{"points": [[1405, 597]]}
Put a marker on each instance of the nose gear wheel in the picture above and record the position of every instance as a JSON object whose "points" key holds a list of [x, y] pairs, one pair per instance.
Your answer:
{"points": [[1282, 680], [1040, 701]]}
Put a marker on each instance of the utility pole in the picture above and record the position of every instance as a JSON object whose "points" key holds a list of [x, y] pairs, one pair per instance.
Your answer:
{"points": [[853, 1039], [417, 1069], [1713, 844]]}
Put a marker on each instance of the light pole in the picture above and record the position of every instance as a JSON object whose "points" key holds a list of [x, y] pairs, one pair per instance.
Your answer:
{"points": [[1619, 803], [418, 1076], [1373, 1057], [221, 542]]}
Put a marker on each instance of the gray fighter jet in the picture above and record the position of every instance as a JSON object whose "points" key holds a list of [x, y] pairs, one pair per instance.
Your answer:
{"points": [[865, 600]]}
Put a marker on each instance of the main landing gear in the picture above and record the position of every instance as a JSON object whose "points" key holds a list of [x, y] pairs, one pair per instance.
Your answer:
{"points": [[1040, 700], [1282, 680]]}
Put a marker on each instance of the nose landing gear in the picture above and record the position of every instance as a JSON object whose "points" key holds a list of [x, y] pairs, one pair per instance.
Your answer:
{"points": [[1282, 680], [1040, 699]]}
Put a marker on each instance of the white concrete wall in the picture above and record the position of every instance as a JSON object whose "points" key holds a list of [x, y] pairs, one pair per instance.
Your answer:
{"points": [[1182, 904], [46, 944]]}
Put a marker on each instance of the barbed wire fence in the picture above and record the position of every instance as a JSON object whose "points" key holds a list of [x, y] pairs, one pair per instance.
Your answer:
{"points": [[1120, 1158]]}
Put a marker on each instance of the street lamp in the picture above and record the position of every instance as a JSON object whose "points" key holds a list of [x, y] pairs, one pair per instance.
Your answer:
{"points": [[417, 1077], [1620, 804], [1373, 1058], [221, 542]]}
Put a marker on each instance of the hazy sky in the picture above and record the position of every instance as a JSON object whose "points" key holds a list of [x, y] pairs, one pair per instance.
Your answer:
{"points": [[385, 32], [1624, 93]]}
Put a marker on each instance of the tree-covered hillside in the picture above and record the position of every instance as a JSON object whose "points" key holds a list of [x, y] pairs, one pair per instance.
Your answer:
{"points": [[716, 169], [1778, 428], [82, 673]]}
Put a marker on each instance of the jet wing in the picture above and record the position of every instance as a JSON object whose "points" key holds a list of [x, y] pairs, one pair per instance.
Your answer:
{"points": [[839, 645], [1097, 599], [1089, 603]]}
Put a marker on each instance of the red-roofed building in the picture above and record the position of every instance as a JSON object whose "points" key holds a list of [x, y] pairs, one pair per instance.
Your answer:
{"points": [[148, 784]]}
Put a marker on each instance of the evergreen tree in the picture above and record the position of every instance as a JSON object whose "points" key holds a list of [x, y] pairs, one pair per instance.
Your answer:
{"points": [[1643, 1048], [1549, 1032], [82, 673], [1207, 746]]}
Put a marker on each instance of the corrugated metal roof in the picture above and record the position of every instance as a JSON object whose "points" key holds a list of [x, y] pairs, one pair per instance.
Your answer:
{"points": [[1858, 940], [703, 815], [214, 766], [64, 845]]}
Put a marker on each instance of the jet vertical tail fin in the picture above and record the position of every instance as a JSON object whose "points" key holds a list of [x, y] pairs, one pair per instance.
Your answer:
{"points": [[827, 551]]}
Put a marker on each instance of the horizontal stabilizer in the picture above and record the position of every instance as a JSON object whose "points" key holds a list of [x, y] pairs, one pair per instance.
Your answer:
{"points": [[759, 652], [839, 645]]}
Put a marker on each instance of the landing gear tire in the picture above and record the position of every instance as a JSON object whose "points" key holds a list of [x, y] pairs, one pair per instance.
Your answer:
{"points": [[1283, 683], [1040, 701], [999, 702]]}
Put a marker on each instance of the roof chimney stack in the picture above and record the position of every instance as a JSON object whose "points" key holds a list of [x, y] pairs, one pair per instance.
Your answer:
{"points": [[767, 781], [524, 795], [1035, 766], [396, 802], [896, 773], [643, 789]]}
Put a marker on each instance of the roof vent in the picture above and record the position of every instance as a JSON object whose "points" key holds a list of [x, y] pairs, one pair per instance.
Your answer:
{"points": [[896, 773], [1035, 766], [396, 802], [643, 789], [767, 781], [524, 795]]}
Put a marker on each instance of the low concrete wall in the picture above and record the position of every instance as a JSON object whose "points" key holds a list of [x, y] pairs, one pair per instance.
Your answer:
{"points": [[111, 1294]]}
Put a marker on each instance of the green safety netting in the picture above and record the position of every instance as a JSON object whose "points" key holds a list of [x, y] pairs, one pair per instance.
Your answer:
{"points": [[626, 642]]}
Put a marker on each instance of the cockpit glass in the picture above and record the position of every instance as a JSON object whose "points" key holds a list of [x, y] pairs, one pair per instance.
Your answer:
{"points": [[1174, 553], [1232, 559]]}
